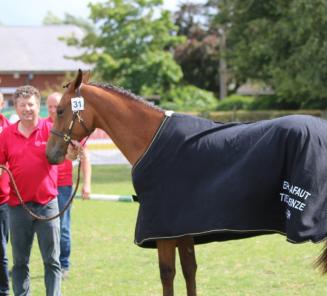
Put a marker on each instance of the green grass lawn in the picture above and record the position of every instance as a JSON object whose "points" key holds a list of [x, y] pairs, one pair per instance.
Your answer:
{"points": [[105, 262], [114, 179]]}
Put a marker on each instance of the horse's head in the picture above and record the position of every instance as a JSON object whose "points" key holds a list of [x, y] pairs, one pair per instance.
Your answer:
{"points": [[73, 122]]}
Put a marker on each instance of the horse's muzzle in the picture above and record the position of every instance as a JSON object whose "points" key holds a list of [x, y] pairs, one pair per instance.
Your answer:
{"points": [[55, 158]]}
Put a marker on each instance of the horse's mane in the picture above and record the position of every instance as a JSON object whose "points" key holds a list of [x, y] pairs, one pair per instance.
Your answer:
{"points": [[125, 93]]}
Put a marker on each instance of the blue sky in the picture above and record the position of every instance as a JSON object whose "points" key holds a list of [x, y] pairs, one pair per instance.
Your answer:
{"points": [[32, 12]]}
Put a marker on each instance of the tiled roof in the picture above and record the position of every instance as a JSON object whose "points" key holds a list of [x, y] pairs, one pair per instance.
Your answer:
{"points": [[38, 49]]}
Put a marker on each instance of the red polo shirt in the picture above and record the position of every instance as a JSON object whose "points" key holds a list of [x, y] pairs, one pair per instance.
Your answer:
{"points": [[65, 173], [65, 169], [36, 179], [4, 178]]}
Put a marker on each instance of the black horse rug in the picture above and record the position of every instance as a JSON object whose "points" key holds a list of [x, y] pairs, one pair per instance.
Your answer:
{"points": [[219, 181]]}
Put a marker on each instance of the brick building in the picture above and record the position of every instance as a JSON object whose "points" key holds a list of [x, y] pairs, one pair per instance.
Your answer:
{"points": [[36, 56]]}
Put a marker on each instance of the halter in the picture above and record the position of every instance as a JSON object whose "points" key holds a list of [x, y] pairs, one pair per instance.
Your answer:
{"points": [[67, 137]]}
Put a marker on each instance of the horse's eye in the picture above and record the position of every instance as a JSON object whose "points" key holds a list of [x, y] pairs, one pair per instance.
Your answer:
{"points": [[60, 112]]}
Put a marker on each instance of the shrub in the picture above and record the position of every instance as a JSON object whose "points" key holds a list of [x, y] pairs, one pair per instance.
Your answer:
{"points": [[267, 102], [273, 102], [189, 98], [314, 104], [235, 102]]}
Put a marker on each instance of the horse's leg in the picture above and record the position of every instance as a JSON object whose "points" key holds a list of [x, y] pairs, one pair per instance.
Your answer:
{"points": [[188, 262], [166, 253]]}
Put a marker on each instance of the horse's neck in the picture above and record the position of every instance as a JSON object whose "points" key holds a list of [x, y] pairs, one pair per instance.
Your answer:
{"points": [[131, 124]]}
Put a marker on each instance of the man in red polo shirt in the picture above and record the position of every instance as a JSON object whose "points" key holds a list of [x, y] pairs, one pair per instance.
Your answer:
{"points": [[22, 147], [4, 217], [65, 187]]}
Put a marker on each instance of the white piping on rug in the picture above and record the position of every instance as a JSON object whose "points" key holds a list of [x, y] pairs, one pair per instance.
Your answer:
{"points": [[168, 114], [268, 231], [207, 232]]}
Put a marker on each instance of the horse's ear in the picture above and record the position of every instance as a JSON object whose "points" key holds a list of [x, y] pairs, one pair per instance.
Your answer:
{"points": [[86, 77], [77, 81]]}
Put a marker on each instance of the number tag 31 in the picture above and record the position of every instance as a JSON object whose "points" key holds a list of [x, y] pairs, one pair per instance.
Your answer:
{"points": [[77, 104]]}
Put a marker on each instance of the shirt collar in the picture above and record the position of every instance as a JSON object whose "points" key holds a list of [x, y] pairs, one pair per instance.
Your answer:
{"points": [[38, 127]]}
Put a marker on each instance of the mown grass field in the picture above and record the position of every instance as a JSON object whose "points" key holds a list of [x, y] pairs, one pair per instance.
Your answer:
{"points": [[105, 262]]}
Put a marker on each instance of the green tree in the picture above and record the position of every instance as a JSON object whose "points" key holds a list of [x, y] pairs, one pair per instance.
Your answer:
{"points": [[199, 54], [132, 45], [282, 43]]}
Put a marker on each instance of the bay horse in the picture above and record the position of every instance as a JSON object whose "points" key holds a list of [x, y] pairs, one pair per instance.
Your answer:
{"points": [[132, 124]]}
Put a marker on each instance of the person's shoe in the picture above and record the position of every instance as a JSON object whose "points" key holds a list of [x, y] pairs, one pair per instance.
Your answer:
{"points": [[64, 273]]}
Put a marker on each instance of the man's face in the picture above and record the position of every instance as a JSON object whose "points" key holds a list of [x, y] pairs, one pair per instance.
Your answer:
{"points": [[27, 108], [52, 103]]}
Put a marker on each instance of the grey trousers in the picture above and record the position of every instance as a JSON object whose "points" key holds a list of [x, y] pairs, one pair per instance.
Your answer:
{"points": [[22, 230]]}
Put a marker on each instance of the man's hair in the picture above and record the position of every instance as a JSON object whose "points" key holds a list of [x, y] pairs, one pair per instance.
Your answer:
{"points": [[26, 91]]}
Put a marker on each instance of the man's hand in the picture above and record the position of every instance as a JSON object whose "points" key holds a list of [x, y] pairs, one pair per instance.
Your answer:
{"points": [[86, 190], [75, 151]]}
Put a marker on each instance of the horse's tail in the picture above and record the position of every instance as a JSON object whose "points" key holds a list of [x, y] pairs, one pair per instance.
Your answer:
{"points": [[321, 261]]}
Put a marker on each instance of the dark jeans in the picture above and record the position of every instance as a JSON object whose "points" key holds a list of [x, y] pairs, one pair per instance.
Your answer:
{"points": [[4, 231], [64, 193]]}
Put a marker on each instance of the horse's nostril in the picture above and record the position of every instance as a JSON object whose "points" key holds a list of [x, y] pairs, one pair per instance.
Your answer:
{"points": [[51, 160], [55, 158]]}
